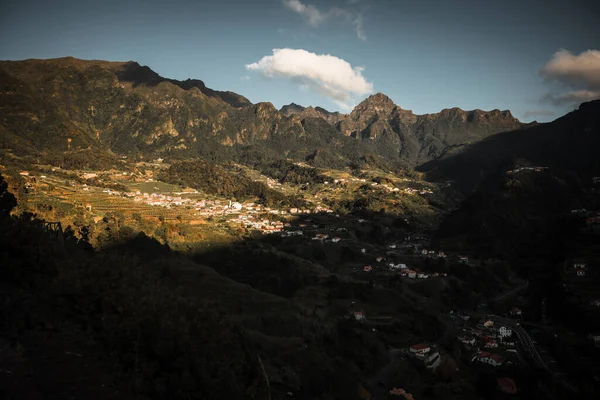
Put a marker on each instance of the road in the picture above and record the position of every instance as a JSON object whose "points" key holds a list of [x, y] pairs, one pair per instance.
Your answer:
{"points": [[529, 347], [511, 292]]}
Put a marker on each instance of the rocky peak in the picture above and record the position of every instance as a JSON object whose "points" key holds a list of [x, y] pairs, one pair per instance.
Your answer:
{"points": [[291, 108], [377, 104]]}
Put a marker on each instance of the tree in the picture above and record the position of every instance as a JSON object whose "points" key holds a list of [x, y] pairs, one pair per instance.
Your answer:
{"points": [[7, 199]]}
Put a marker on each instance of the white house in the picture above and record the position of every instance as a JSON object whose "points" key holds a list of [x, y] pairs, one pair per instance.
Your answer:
{"points": [[504, 331], [359, 316]]}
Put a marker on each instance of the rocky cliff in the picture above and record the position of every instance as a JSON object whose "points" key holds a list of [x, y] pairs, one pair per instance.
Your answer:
{"points": [[67, 105]]}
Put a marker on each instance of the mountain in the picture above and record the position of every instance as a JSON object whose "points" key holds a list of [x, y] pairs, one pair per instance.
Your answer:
{"points": [[112, 108], [419, 138], [67, 110], [569, 143], [396, 133], [310, 112]]}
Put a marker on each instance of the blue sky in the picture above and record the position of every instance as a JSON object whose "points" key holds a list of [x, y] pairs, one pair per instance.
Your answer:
{"points": [[425, 54]]}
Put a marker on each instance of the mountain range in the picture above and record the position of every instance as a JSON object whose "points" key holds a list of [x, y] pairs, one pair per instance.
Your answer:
{"points": [[123, 108]]}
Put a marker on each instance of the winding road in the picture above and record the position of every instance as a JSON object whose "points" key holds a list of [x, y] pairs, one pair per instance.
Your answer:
{"points": [[529, 347]]}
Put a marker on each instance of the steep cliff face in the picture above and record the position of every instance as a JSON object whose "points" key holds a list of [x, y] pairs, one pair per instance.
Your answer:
{"points": [[396, 133]]}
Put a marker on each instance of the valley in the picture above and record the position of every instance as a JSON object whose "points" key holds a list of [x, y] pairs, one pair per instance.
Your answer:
{"points": [[211, 245]]}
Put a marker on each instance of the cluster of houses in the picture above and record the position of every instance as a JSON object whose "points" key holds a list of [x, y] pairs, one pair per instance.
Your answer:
{"points": [[404, 270], [416, 191], [433, 253], [489, 336], [593, 220], [580, 268], [425, 354], [263, 225], [532, 168], [387, 188]]}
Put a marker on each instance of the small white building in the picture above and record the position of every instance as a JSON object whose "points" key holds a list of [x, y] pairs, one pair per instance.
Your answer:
{"points": [[504, 331], [359, 316]]}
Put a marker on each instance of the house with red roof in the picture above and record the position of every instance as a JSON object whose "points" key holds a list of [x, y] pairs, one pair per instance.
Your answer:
{"points": [[420, 348], [490, 358]]}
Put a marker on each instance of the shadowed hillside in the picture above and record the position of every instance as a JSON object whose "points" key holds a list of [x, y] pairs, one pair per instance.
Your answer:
{"points": [[571, 142]]}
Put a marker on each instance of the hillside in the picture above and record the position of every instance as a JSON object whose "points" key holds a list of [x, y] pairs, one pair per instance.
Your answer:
{"points": [[57, 108], [394, 133], [569, 143], [66, 109]]}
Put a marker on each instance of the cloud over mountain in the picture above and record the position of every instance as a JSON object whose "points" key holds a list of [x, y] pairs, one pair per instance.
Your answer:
{"points": [[326, 74], [580, 73], [316, 17]]}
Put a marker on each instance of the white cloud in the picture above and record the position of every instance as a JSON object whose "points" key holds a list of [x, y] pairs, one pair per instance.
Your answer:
{"points": [[580, 73], [310, 12], [323, 73], [316, 17]]}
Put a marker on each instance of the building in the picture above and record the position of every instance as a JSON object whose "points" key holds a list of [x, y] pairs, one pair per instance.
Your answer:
{"points": [[516, 311], [359, 316], [491, 344], [504, 331], [335, 239], [489, 358], [470, 341], [411, 274], [420, 348], [24, 173], [483, 323], [463, 259], [580, 272], [367, 268]]}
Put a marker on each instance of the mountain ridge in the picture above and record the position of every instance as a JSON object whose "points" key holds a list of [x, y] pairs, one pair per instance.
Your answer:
{"points": [[126, 108]]}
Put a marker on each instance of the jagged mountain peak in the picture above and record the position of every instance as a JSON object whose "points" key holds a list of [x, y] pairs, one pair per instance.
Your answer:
{"points": [[377, 99], [291, 108]]}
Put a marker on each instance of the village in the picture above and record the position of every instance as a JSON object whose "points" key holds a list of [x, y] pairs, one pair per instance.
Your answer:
{"points": [[487, 340]]}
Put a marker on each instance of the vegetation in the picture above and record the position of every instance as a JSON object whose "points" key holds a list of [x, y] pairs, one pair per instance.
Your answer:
{"points": [[214, 179]]}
